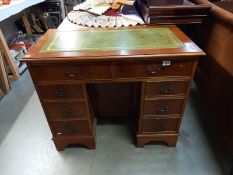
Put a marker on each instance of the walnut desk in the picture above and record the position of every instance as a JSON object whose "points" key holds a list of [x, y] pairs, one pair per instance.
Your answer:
{"points": [[162, 60]]}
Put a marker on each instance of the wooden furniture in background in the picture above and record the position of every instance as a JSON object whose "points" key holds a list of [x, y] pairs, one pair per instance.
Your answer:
{"points": [[26, 23], [6, 53], [163, 77], [15, 7], [178, 12], [215, 72], [5, 12]]}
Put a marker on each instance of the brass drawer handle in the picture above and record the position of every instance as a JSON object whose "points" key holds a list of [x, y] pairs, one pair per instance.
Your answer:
{"points": [[66, 112], [162, 108], [72, 71], [153, 69], [70, 130], [165, 89], [159, 126], [60, 92]]}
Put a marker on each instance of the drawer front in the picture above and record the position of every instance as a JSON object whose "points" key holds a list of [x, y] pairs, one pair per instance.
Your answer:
{"points": [[160, 125], [66, 110], [70, 128], [52, 72], [166, 88], [61, 91], [163, 106], [153, 69]]}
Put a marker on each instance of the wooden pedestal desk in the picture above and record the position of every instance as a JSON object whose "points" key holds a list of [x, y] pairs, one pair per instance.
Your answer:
{"points": [[162, 60]]}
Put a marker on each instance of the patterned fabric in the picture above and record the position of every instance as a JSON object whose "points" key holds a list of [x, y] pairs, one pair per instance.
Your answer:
{"points": [[98, 13]]}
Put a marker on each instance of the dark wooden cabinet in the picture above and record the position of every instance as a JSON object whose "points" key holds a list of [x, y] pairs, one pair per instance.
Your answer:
{"points": [[215, 72], [164, 76], [172, 12]]}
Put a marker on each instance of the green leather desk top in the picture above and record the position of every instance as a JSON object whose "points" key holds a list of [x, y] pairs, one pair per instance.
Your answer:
{"points": [[112, 40]]}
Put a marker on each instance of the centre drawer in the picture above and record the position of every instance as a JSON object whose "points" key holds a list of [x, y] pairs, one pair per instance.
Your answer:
{"points": [[66, 110], [163, 106], [61, 91], [160, 125], [71, 71], [154, 69], [70, 128]]}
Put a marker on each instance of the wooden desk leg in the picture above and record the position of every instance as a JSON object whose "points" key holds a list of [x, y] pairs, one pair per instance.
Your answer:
{"points": [[143, 139], [62, 143], [171, 143], [87, 140], [140, 144]]}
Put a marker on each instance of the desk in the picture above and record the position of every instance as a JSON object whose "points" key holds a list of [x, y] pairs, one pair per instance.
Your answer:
{"points": [[161, 61]]}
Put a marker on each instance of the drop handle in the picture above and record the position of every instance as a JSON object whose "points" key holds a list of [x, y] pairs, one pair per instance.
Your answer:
{"points": [[66, 112], [69, 130], [72, 71], [159, 126], [60, 92], [153, 69], [165, 89], [162, 108]]}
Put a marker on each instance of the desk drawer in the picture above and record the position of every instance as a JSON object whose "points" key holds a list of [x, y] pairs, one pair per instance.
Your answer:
{"points": [[70, 128], [163, 106], [61, 91], [160, 125], [166, 88], [52, 72], [153, 69], [66, 110]]}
